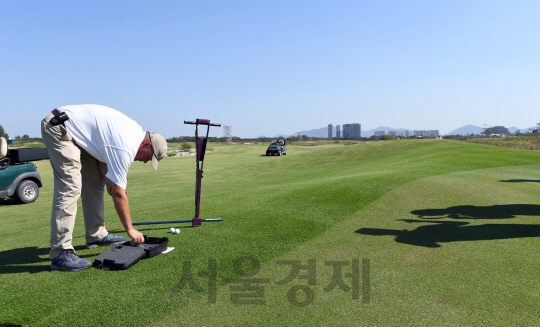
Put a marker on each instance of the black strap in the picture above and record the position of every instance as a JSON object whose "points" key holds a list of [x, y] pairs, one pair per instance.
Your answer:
{"points": [[59, 119]]}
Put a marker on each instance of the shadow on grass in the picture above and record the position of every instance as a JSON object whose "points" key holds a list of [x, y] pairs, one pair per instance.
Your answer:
{"points": [[453, 231], [436, 232], [504, 211], [8, 202], [29, 259], [520, 181], [19, 260]]}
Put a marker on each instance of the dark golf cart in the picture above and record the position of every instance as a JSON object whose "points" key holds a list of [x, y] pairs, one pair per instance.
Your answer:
{"points": [[20, 179], [277, 147]]}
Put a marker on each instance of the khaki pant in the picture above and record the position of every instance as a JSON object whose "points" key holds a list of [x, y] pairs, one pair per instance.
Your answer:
{"points": [[76, 173]]}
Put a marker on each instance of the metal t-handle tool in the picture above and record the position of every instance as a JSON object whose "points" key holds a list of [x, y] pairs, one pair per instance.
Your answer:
{"points": [[200, 147]]}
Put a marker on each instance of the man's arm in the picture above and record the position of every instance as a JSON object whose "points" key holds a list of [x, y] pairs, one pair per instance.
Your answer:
{"points": [[121, 204]]}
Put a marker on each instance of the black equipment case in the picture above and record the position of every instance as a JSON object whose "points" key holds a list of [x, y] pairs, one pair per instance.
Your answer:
{"points": [[124, 255]]}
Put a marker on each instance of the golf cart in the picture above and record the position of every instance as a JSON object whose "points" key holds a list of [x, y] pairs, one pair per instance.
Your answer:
{"points": [[20, 179], [277, 147]]}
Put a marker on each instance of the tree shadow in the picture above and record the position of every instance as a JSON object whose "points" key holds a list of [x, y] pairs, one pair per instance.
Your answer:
{"points": [[28, 259], [453, 231], [504, 211], [520, 181], [435, 232]]}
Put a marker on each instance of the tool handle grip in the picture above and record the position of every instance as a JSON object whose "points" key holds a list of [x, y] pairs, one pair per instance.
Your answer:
{"points": [[201, 122]]}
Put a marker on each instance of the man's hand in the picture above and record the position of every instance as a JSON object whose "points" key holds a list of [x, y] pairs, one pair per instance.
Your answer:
{"points": [[136, 236]]}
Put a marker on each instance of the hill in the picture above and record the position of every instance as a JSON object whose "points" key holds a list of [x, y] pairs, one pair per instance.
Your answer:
{"points": [[468, 129]]}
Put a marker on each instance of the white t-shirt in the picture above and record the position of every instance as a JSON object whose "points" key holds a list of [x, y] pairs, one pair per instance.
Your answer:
{"points": [[106, 134]]}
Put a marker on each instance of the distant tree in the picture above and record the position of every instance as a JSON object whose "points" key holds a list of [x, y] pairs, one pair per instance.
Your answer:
{"points": [[500, 130], [496, 130], [387, 137], [3, 133], [18, 137], [518, 132], [25, 136]]}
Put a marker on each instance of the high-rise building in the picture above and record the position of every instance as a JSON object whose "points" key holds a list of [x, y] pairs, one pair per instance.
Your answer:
{"points": [[380, 133], [355, 130], [338, 131], [433, 132], [330, 131], [346, 130], [392, 133]]}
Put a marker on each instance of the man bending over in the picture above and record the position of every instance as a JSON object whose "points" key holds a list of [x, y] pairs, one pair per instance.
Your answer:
{"points": [[90, 147]]}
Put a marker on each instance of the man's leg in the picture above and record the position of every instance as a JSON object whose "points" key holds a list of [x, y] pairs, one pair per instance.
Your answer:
{"points": [[93, 187], [64, 157]]}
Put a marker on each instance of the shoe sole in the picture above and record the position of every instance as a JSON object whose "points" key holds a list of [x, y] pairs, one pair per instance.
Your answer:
{"points": [[68, 269]]}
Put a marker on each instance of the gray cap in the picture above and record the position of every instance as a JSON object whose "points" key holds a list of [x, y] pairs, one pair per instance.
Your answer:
{"points": [[159, 145]]}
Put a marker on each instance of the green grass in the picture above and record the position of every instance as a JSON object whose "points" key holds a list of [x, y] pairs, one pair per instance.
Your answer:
{"points": [[449, 242], [24, 145]]}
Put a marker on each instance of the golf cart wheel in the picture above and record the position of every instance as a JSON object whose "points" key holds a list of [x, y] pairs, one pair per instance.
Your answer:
{"points": [[267, 153], [279, 153], [27, 192]]}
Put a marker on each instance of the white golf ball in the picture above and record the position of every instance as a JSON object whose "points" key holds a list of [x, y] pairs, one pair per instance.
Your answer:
{"points": [[172, 230], [177, 231]]}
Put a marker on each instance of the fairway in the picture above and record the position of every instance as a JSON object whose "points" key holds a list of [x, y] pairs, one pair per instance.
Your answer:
{"points": [[419, 232]]}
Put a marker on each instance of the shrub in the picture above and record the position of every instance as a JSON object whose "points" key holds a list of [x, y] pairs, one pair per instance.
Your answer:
{"points": [[171, 153], [186, 146]]}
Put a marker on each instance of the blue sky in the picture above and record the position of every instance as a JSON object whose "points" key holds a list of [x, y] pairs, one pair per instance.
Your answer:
{"points": [[271, 67]]}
